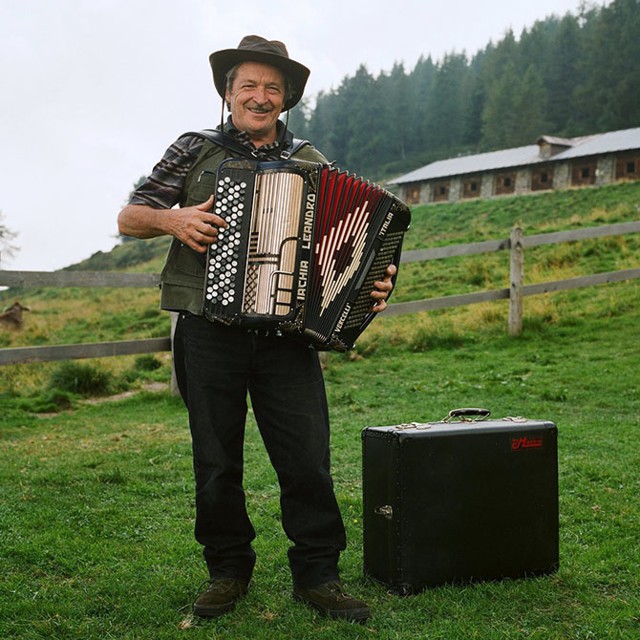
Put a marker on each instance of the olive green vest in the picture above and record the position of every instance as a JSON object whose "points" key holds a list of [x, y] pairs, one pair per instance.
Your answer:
{"points": [[182, 278]]}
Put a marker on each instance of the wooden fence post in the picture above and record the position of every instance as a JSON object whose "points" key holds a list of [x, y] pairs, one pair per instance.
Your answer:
{"points": [[517, 277]]}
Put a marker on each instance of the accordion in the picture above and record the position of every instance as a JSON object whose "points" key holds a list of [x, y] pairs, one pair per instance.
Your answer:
{"points": [[304, 244]]}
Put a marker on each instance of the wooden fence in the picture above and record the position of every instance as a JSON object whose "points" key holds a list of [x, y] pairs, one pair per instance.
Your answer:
{"points": [[516, 244]]}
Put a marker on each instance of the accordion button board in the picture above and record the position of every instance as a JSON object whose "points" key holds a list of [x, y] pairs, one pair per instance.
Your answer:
{"points": [[223, 265], [304, 245]]}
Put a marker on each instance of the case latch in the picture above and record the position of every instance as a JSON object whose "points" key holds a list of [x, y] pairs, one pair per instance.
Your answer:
{"points": [[386, 511]]}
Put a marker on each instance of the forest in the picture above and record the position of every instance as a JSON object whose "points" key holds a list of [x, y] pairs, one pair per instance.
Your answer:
{"points": [[567, 76]]}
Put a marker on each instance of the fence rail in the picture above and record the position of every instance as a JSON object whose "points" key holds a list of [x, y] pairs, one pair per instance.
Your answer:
{"points": [[25, 355], [516, 244], [445, 302], [35, 279]]}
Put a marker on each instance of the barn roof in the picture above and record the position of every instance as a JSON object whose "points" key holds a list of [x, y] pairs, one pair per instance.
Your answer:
{"points": [[521, 156]]}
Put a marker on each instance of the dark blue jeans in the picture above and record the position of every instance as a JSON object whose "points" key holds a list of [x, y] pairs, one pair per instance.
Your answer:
{"points": [[283, 378]]}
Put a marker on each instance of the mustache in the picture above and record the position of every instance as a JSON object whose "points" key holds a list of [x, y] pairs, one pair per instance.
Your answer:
{"points": [[258, 108]]}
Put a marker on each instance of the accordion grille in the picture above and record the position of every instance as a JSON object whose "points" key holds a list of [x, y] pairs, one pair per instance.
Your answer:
{"points": [[362, 306], [271, 261]]}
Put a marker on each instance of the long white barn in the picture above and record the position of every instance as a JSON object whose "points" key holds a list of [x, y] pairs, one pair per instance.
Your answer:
{"points": [[551, 163]]}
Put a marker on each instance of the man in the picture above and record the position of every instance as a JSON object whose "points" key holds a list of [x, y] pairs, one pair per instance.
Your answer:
{"points": [[219, 364]]}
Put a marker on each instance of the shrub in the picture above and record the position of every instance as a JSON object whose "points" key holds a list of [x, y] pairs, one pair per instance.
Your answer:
{"points": [[147, 363], [50, 401], [81, 379]]}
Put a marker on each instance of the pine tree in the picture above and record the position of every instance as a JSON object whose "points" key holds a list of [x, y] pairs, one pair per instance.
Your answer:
{"points": [[568, 76]]}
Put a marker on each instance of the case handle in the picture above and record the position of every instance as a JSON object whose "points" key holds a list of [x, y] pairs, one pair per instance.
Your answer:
{"points": [[467, 414]]}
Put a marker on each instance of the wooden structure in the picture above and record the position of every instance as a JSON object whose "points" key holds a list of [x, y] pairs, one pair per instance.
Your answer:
{"points": [[551, 163]]}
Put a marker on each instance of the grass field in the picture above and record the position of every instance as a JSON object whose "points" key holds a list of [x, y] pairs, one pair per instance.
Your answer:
{"points": [[97, 502], [96, 493]]}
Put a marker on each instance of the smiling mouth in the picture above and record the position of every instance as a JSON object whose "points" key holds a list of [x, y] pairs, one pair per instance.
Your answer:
{"points": [[259, 110]]}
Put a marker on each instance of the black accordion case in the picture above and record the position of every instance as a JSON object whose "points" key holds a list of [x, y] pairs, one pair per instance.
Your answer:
{"points": [[304, 245], [459, 501]]}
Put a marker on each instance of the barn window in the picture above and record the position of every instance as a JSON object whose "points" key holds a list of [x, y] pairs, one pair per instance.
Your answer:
{"points": [[412, 194], [584, 172], [628, 166], [542, 179], [441, 191], [471, 188], [505, 183]]}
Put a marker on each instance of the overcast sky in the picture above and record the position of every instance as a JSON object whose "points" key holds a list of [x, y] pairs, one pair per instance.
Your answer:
{"points": [[93, 91]]}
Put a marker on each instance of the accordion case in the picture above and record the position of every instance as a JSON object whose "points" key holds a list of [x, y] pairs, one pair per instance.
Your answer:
{"points": [[304, 245], [458, 502]]}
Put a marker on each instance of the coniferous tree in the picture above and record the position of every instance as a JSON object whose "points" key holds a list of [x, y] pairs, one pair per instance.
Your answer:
{"points": [[398, 104], [421, 78], [528, 121], [445, 118], [363, 118], [299, 119], [322, 126], [611, 66], [499, 102], [565, 76], [474, 91]]}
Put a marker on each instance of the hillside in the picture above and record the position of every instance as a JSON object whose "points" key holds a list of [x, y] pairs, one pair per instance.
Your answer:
{"points": [[130, 255], [67, 316], [442, 224]]}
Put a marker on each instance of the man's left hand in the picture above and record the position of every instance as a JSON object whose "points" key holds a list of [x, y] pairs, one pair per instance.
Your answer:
{"points": [[383, 289]]}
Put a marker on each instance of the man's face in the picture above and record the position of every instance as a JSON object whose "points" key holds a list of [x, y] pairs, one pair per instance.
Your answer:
{"points": [[256, 98]]}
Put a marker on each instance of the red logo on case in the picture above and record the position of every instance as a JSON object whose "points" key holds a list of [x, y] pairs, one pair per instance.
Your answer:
{"points": [[519, 444]]}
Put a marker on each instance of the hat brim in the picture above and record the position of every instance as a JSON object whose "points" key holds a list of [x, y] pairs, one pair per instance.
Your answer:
{"points": [[223, 61]]}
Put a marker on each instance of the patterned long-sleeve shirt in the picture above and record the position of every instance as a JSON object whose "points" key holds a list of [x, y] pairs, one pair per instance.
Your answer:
{"points": [[163, 188]]}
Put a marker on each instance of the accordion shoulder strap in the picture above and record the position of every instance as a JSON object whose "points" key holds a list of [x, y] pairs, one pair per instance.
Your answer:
{"points": [[226, 141]]}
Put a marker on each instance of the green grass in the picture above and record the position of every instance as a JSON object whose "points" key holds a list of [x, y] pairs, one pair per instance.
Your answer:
{"points": [[70, 316], [480, 220], [97, 502], [96, 493]]}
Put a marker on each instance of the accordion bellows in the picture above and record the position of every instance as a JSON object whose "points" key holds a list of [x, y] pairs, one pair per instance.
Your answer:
{"points": [[304, 244]]}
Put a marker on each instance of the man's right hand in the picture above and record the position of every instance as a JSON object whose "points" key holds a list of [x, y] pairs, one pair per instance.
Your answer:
{"points": [[196, 226]]}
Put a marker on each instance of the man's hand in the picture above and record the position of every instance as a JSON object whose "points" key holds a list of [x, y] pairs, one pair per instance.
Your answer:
{"points": [[196, 227], [383, 289]]}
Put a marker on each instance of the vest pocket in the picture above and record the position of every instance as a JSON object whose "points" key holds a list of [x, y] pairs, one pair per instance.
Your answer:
{"points": [[184, 261], [203, 188]]}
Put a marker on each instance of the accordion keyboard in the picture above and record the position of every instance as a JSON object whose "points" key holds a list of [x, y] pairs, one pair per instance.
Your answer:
{"points": [[223, 264]]}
